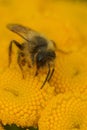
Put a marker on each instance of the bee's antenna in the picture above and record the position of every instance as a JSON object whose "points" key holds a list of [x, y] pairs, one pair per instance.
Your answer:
{"points": [[46, 79], [51, 75]]}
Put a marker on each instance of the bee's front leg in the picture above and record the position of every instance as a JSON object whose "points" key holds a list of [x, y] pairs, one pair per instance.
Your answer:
{"points": [[36, 73], [10, 48], [21, 62]]}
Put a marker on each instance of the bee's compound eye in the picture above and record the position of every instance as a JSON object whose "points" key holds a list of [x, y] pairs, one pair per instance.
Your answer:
{"points": [[40, 59], [40, 56]]}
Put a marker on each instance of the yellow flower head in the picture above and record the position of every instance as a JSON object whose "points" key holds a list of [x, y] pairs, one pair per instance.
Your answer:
{"points": [[70, 72], [22, 100], [65, 112]]}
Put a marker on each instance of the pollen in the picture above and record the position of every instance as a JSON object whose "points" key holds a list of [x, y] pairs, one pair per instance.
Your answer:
{"points": [[65, 112]]}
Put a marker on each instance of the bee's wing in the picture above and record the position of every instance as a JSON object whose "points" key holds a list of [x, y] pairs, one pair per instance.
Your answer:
{"points": [[25, 32]]}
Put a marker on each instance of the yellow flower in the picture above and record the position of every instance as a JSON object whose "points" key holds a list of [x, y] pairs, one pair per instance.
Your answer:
{"points": [[22, 100], [70, 72], [65, 112]]}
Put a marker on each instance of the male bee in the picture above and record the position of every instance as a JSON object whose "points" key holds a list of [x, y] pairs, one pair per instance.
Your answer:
{"points": [[35, 47]]}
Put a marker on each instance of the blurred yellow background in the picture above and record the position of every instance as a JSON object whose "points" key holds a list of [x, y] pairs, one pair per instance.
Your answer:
{"points": [[57, 20]]}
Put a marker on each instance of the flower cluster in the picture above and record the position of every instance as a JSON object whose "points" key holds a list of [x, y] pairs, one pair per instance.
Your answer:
{"points": [[65, 112]]}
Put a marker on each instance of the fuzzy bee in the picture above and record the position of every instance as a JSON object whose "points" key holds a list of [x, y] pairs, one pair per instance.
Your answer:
{"points": [[35, 47]]}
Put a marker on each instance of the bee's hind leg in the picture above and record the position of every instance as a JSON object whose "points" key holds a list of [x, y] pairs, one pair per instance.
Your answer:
{"points": [[10, 48]]}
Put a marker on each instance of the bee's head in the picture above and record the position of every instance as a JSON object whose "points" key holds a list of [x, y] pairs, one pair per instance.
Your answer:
{"points": [[44, 57]]}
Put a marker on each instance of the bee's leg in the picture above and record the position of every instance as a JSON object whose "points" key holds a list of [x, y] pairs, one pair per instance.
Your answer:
{"points": [[46, 79], [36, 73], [37, 70], [21, 62], [10, 48], [51, 75], [29, 66]]}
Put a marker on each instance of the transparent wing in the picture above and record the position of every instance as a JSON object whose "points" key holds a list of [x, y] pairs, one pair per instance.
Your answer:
{"points": [[25, 32]]}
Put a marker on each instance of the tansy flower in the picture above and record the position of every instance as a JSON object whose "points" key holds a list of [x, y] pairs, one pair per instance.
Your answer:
{"points": [[22, 100], [65, 112], [70, 71]]}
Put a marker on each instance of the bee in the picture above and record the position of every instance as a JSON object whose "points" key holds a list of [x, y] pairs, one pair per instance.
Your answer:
{"points": [[35, 47]]}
